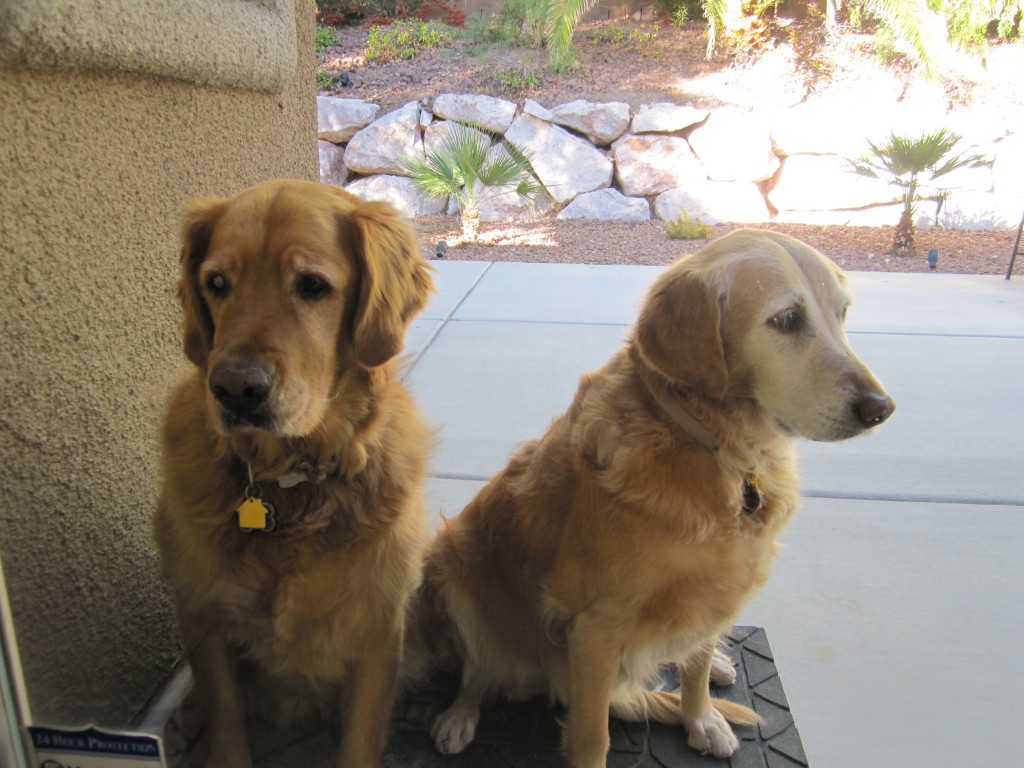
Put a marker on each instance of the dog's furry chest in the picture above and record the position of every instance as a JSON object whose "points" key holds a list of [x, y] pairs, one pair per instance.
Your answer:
{"points": [[262, 588], [699, 594], [259, 583]]}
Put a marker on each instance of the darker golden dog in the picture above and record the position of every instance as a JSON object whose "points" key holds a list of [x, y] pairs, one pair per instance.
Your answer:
{"points": [[632, 533], [290, 525]]}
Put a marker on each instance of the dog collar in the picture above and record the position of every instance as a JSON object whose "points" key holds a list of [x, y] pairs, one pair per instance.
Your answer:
{"points": [[684, 419], [255, 514], [292, 479]]}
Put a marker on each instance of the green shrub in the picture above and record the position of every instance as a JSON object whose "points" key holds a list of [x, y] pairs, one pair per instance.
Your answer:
{"points": [[325, 36], [514, 79], [404, 39], [336, 11], [613, 34], [324, 79], [490, 30], [639, 39], [528, 17], [886, 51], [342, 11], [642, 41], [517, 22], [972, 23], [679, 16], [687, 228], [679, 12]]}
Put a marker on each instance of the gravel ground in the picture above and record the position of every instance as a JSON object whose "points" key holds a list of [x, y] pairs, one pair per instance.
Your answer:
{"points": [[588, 242], [674, 68]]}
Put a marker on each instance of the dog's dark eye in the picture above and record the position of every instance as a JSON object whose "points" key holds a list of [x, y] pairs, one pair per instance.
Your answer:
{"points": [[842, 314], [217, 285], [789, 320], [312, 287]]}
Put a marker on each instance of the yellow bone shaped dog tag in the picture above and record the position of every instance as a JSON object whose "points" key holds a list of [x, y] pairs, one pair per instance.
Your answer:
{"points": [[254, 514]]}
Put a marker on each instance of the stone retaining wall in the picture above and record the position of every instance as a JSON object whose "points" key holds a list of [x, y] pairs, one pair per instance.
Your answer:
{"points": [[606, 161]]}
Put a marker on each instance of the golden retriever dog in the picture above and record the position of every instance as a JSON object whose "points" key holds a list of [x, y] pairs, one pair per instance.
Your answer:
{"points": [[634, 530], [291, 525]]}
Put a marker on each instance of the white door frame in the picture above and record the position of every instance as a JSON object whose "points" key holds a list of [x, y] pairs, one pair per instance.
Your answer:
{"points": [[14, 712]]}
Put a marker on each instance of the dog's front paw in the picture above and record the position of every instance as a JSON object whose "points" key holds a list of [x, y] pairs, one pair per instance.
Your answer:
{"points": [[454, 730], [722, 670], [711, 734]]}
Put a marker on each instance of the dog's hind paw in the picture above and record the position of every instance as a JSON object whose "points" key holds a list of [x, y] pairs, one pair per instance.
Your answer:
{"points": [[722, 670], [712, 735], [454, 729]]}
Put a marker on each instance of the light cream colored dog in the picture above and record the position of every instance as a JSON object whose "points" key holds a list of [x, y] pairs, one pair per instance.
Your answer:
{"points": [[633, 532]]}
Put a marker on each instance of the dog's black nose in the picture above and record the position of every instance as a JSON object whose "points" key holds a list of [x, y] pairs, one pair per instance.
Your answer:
{"points": [[874, 408], [241, 388]]}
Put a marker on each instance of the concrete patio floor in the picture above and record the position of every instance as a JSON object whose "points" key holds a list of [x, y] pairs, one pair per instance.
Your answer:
{"points": [[896, 606]]}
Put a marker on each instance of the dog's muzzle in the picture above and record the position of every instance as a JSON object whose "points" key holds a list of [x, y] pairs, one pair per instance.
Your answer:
{"points": [[243, 391]]}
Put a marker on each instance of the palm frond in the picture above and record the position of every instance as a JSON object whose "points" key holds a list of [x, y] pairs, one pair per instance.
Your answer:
{"points": [[902, 156], [906, 19], [716, 12], [452, 164], [563, 18]]}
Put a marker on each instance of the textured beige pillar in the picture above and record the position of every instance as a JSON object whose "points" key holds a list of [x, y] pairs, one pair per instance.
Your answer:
{"points": [[94, 169]]}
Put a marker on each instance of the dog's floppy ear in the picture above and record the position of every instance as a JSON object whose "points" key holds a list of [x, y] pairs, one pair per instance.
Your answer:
{"points": [[394, 283], [679, 333], [197, 226]]}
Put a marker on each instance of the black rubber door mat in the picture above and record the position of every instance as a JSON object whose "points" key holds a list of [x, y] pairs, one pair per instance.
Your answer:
{"points": [[527, 734]]}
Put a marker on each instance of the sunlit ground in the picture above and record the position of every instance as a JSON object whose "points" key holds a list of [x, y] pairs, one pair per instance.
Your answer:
{"points": [[511, 234]]}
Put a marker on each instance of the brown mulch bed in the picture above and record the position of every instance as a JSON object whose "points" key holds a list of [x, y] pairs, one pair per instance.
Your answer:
{"points": [[590, 242]]}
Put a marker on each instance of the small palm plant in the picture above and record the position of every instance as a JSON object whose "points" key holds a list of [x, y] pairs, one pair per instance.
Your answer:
{"points": [[910, 162], [463, 164]]}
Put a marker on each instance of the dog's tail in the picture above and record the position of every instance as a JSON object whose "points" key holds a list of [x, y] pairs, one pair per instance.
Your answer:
{"points": [[737, 714], [639, 705]]}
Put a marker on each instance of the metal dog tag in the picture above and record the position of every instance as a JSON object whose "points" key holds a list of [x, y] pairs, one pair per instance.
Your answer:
{"points": [[254, 514]]}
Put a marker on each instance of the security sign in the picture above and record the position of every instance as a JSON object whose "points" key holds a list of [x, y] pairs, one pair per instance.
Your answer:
{"points": [[93, 748]]}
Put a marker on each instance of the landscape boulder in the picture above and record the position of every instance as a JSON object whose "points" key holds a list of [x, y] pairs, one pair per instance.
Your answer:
{"points": [[734, 145], [566, 165], [1008, 169], [979, 210], [823, 183], [488, 112], [665, 117], [607, 205], [332, 163], [532, 108], [379, 147], [649, 164], [400, 191], [713, 202], [338, 120], [505, 204], [601, 123], [437, 131]]}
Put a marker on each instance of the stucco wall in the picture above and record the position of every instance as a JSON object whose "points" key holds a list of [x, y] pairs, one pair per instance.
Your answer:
{"points": [[94, 170]]}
